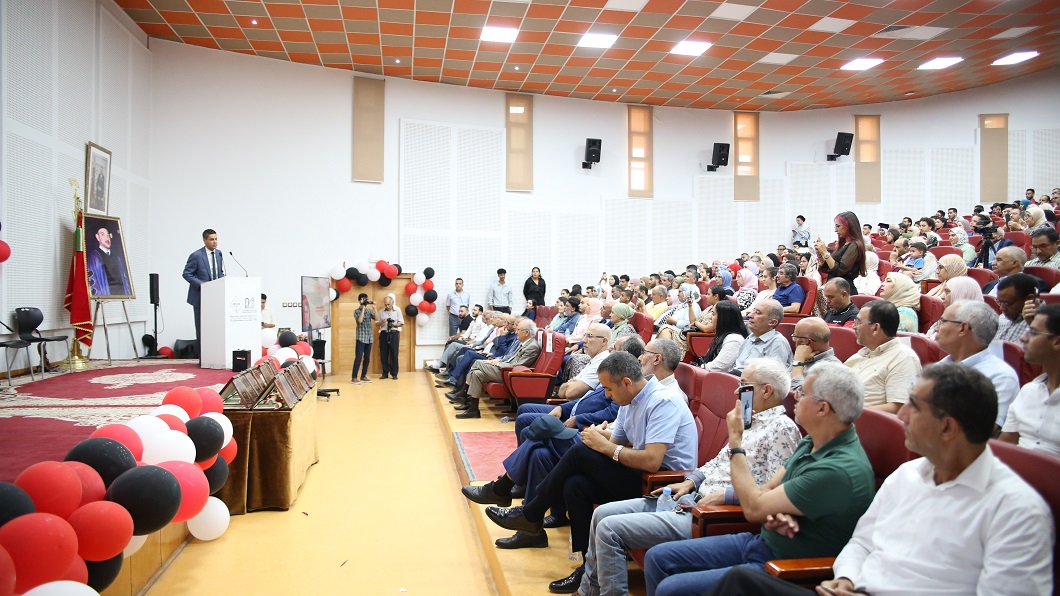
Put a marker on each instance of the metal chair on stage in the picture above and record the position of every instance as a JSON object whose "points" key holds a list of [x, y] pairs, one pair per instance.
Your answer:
{"points": [[27, 319], [16, 344]]}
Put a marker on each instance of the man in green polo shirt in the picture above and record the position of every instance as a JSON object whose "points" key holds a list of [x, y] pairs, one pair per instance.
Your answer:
{"points": [[808, 509]]}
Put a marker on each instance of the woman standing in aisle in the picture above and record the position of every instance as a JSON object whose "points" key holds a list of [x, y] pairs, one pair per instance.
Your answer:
{"points": [[390, 321], [534, 287]]}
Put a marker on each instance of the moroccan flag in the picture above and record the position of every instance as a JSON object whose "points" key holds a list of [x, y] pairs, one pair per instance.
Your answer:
{"points": [[76, 301]]}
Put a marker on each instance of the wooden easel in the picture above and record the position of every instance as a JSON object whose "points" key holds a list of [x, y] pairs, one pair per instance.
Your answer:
{"points": [[106, 335]]}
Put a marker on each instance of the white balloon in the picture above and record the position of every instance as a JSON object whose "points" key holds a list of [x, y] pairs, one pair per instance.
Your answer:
{"points": [[422, 319], [308, 364], [171, 446], [373, 274], [134, 545], [333, 294], [415, 299], [149, 426], [363, 266], [172, 409], [285, 354], [273, 349], [62, 588], [226, 425], [211, 522], [268, 337], [419, 278], [337, 272]]}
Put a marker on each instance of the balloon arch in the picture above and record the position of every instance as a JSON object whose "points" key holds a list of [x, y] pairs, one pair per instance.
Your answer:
{"points": [[420, 290]]}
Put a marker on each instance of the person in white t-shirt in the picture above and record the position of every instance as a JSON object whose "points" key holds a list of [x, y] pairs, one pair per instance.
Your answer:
{"points": [[267, 321]]}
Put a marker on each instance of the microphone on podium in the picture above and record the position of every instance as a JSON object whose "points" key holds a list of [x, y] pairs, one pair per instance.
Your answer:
{"points": [[245, 274]]}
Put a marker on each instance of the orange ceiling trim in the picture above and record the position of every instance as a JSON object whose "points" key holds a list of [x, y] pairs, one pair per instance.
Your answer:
{"points": [[208, 6], [180, 18], [286, 11], [296, 36]]}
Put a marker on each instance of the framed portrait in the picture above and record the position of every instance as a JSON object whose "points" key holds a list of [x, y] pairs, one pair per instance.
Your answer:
{"points": [[97, 179], [106, 260]]}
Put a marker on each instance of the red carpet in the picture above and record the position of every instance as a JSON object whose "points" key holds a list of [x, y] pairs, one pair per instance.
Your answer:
{"points": [[484, 452], [46, 418]]}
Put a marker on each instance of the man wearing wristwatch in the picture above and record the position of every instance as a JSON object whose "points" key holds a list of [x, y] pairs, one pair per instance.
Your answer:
{"points": [[811, 337], [808, 509], [653, 432]]}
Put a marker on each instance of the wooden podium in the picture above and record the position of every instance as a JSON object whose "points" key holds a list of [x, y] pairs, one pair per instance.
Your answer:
{"points": [[230, 320]]}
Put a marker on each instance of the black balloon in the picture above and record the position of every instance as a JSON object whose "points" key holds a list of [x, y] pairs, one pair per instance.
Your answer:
{"points": [[14, 502], [411, 311], [352, 273], [107, 457], [150, 494], [288, 363], [207, 435], [103, 573], [287, 339], [362, 280], [385, 281], [217, 475], [430, 295], [428, 272], [398, 268]]}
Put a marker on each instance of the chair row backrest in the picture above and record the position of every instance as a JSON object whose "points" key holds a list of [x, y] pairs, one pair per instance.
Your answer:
{"points": [[544, 315], [882, 436], [860, 300], [548, 362], [926, 350], [1026, 371], [931, 309], [27, 319], [844, 342], [981, 276], [1048, 274], [644, 325]]}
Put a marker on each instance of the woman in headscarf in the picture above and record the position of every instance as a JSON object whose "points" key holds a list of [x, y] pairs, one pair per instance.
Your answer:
{"points": [[869, 283], [950, 267], [773, 257], [959, 239], [726, 280], [954, 290], [1034, 219], [748, 289], [621, 314], [675, 319], [904, 293]]}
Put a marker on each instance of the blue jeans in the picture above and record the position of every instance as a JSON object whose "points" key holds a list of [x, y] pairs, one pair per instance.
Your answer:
{"points": [[694, 566]]}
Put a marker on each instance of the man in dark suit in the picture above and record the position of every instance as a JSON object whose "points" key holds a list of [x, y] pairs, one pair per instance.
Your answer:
{"points": [[205, 264], [489, 371]]}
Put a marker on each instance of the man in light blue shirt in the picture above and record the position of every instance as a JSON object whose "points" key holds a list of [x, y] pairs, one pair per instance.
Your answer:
{"points": [[453, 302], [966, 329], [653, 432], [499, 296]]}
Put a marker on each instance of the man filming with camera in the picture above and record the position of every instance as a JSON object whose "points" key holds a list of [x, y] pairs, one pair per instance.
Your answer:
{"points": [[365, 316], [993, 241]]}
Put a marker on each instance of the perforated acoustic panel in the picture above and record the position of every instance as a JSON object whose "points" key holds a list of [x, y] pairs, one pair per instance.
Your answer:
{"points": [[28, 38], [763, 221], [75, 102], [717, 214], [953, 179], [114, 89], [530, 246], [139, 111], [627, 222], [1017, 164], [1046, 160], [811, 197], [417, 253], [426, 176], [674, 241], [903, 176]]}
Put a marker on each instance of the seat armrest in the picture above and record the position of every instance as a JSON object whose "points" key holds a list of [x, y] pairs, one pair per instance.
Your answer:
{"points": [[662, 478], [817, 569], [555, 401], [718, 513]]}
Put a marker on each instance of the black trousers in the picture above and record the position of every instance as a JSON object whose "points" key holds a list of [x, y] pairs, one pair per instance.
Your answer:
{"points": [[581, 479], [503, 309], [363, 351], [744, 581], [388, 352]]}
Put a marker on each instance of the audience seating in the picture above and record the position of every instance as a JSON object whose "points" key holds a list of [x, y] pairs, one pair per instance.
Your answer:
{"points": [[1046, 298], [787, 329], [16, 345], [930, 311], [975, 240], [806, 309], [844, 342], [927, 350], [981, 276], [699, 343], [884, 255], [544, 315], [704, 288], [1048, 274], [883, 269], [688, 380], [1014, 357], [862, 299], [1020, 239], [532, 385], [644, 325], [992, 302], [927, 284], [941, 251]]}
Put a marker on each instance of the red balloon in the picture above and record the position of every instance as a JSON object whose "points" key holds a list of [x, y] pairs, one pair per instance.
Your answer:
{"points": [[205, 465], [381, 265], [303, 349], [428, 284], [5, 251], [194, 489], [211, 401], [391, 271], [343, 285], [228, 452], [7, 573], [173, 422], [264, 351], [124, 435], [92, 487], [166, 351], [53, 487], [186, 398], [427, 307], [410, 288], [42, 547], [78, 571], [103, 529]]}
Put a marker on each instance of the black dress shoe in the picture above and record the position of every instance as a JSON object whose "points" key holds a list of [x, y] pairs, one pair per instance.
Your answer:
{"points": [[448, 383], [523, 540], [462, 406], [485, 495], [518, 491], [457, 393], [555, 521], [441, 373], [433, 369], [469, 414], [512, 519], [569, 584]]}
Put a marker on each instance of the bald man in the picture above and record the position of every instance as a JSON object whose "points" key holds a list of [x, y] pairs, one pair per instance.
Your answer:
{"points": [[811, 338]]}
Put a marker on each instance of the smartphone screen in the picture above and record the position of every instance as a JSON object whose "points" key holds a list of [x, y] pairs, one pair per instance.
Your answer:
{"points": [[747, 393]]}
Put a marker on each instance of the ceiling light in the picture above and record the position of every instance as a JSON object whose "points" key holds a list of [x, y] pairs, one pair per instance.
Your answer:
{"points": [[690, 48], [775, 94], [516, 68], [922, 33], [831, 25], [500, 34], [597, 40], [938, 63], [911, 93], [630, 5], [732, 12], [397, 60], [253, 21], [777, 58], [1015, 58], [861, 64], [1014, 32], [613, 90]]}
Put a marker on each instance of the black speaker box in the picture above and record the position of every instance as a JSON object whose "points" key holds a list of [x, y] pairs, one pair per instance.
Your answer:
{"points": [[240, 360], [154, 287], [720, 157], [842, 143], [592, 150]]}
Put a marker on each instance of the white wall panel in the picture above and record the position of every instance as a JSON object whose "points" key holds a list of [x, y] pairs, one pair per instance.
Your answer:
{"points": [[953, 182], [761, 225], [28, 61], [76, 91], [1017, 164], [139, 111], [530, 245], [114, 89], [811, 197], [904, 175], [627, 227], [426, 176], [718, 216], [419, 251], [1046, 160]]}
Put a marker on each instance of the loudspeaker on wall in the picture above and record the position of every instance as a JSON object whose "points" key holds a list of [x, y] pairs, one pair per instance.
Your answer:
{"points": [[842, 143], [592, 150], [154, 288], [720, 156]]}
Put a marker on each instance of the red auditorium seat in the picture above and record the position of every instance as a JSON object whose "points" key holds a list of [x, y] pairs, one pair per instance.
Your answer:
{"points": [[532, 384], [927, 350], [844, 342], [992, 302], [930, 310], [941, 251], [861, 299], [644, 325], [1047, 298], [1020, 239], [787, 329], [981, 276], [975, 240], [544, 315], [883, 269], [1050, 275], [1014, 358], [699, 343], [806, 309]]}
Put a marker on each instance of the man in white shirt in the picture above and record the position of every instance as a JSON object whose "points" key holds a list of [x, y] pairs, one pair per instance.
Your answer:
{"points": [[956, 521], [267, 321], [1033, 419], [966, 329], [499, 296], [1045, 244], [453, 301]]}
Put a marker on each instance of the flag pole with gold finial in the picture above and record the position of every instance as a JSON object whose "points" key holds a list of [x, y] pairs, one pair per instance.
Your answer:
{"points": [[77, 295]]}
